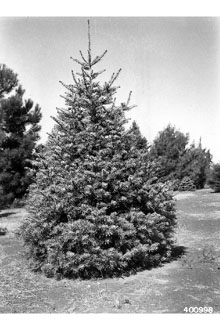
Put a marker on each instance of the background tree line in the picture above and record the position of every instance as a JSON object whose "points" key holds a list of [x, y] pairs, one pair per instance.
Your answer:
{"points": [[185, 165]]}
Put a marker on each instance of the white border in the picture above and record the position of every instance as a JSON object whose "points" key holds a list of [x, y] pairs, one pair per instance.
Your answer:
{"points": [[110, 8]]}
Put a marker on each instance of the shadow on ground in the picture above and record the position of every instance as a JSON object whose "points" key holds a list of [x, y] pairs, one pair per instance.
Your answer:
{"points": [[178, 251]]}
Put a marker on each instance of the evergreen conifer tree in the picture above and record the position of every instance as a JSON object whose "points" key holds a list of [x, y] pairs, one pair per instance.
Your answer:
{"points": [[8, 80], [214, 180], [168, 148], [96, 209], [177, 162], [19, 128], [195, 164], [138, 139]]}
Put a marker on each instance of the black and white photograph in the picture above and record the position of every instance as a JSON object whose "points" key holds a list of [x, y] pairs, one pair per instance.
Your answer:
{"points": [[109, 165]]}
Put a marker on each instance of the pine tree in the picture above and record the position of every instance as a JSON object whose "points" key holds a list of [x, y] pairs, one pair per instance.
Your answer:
{"points": [[195, 164], [168, 148], [138, 139], [214, 180], [19, 128], [8, 80], [96, 209], [178, 162]]}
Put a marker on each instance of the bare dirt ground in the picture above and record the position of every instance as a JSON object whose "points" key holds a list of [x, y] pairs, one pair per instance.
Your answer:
{"points": [[192, 280]]}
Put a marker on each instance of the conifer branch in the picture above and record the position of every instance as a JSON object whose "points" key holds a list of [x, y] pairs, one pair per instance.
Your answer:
{"points": [[85, 73], [59, 123], [113, 103], [61, 110], [129, 98], [77, 61], [50, 135], [68, 99], [124, 107], [69, 87], [116, 87], [98, 58], [96, 74], [83, 57], [67, 113], [100, 72], [74, 78], [84, 79], [114, 77]]}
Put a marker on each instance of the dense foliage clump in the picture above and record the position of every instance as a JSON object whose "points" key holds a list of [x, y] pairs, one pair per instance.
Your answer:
{"points": [[19, 132], [195, 164], [168, 148], [214, 180], [96, 208], [186, 184], [178, 161]]}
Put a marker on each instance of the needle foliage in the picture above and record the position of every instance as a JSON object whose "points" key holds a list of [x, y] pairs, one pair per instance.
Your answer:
{"points": [[96, 209]]}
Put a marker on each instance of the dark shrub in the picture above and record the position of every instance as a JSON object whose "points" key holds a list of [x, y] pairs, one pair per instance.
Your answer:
{"points": [[186, 184], [214, 180]]}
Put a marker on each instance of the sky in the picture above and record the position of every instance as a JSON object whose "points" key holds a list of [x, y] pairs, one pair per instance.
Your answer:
{"points": [[171, 64]]}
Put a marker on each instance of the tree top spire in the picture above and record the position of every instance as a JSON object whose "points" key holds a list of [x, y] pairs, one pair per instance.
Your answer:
{"points": [[89, 44]]}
